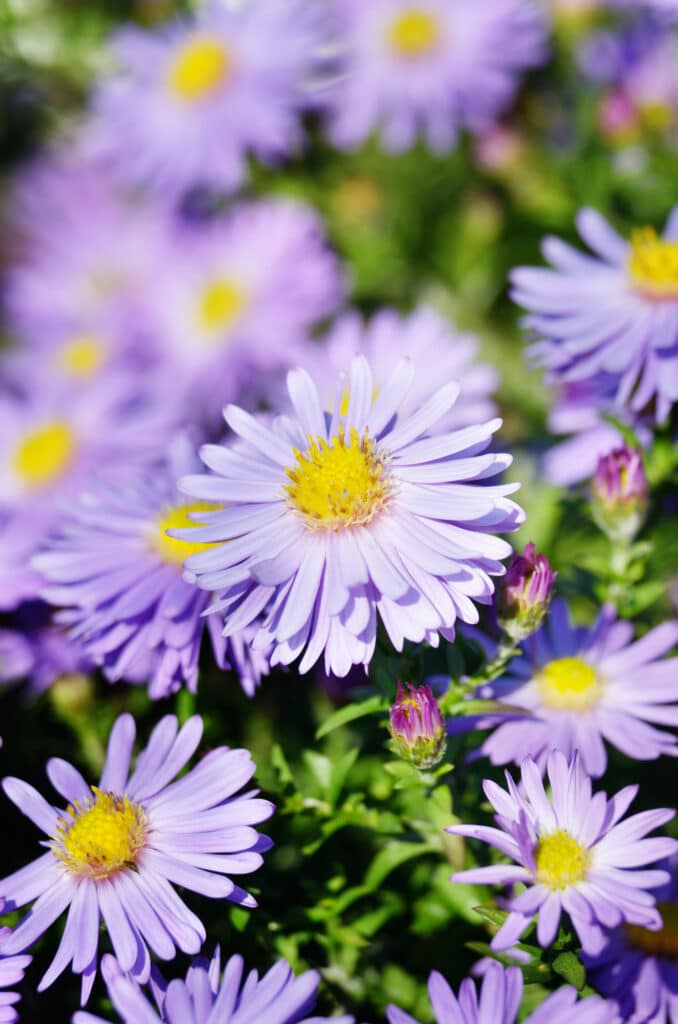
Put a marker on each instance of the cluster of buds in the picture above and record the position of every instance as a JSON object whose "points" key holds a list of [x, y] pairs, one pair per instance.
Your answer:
{"points": [[619, 494], [525, 593], [417, 726]]}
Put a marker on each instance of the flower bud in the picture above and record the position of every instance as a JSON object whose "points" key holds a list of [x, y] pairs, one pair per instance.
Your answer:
{"points": [[524, 594], [620, 493], [417, 727]]}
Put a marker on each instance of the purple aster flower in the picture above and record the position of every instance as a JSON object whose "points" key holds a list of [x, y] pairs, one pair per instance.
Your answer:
{"points": [[499, 1001], [115, 851], [619, 493], [207, 997], [612, 315], [417, 727], [438, 353], [11, 973], [119, 577], [572, 852], [525, 594], [38, 650], [639, 967], [193, 99], [581, 686], [430, 66], [332, 519], [234, 301]]}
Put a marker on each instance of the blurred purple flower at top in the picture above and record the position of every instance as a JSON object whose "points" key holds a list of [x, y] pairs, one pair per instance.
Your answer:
{"points": [[581, 686], [431, 67], [333, 519], [524, 594], [417, 727], [572, 853], [619, 492], [233, 303], [613, 314], [499, 1001], [119, 578], [116, 849], [207, 997], [193, 99], [438, 352], [639, 967]]}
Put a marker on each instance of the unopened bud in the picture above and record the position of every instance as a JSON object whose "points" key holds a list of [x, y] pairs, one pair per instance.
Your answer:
{"points": [[620, 494], [417, 727], [524, 594]]}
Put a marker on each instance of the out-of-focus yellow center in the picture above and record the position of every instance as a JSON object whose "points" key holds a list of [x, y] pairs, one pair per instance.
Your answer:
{"points": [[44, 454], [339, 484], [414, 33], [81, 356], [569, 684], [199, 69], [560, 860], [172, 549], [220, 304], [102, 838], [660, 943], [653, 264]]}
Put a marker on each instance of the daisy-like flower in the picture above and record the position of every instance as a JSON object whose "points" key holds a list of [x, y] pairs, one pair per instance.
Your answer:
{"points": [[499, 1001], [192, 100], [430, 66], [119, 577], [234, 301], [639, 967], [438, 353], [116, 849], [581, 686], [572, 853], [612, 316], [207, 997], [11, 973], [333, 519]]}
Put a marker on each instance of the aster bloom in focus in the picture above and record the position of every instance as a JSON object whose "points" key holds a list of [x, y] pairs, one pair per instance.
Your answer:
{"points": [[438, 353], [499, 1001], [572, 853], [620, 493], [333, 519], [430, 66], [612, 316], [525, 594], [115, 851], [639, 968], [11, 973], [118, 575], [207, 997], [581, 686], [417, 727], [193, 99], [235, 301]]}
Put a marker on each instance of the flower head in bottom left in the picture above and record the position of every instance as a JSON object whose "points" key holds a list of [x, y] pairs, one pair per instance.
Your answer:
{"points": [[119, 848]]}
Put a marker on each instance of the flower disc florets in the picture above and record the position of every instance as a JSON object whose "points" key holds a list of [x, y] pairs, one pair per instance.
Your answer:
{"points": [[100, 839]]}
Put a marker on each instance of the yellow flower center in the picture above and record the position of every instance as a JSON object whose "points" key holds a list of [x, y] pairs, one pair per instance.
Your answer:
{"points": [[339, 484], [199, 69], [81, 356], [102, 838], [172, 549], [569, 684], [414, 34], [220, 304], [653, 264], [661, 943], [44, 454], [560, 860]]}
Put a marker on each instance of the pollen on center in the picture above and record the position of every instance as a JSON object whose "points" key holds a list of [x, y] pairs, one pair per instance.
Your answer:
{"points": [[219, 304], [339, 484], [174, 549], [81, 356], [101, 838], [414, 33], [560, 860], [44, 454], [569, 684], [199, 69], [653, 264]]}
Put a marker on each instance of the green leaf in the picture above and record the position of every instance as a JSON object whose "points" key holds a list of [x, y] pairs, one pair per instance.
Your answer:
{"points": [[281, 766], [492, 915], [570, 967], [339, 773], [391, 857], [350, 713]]}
